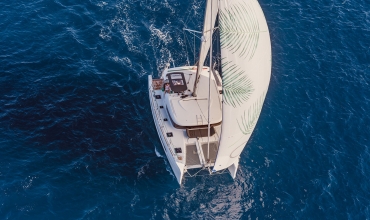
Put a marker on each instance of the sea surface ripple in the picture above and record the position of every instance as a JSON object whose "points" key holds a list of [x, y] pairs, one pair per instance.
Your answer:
{"points": [[77, 138]]}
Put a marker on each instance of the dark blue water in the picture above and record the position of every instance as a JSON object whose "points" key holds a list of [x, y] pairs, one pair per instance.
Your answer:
{"points": [[77, 139]]}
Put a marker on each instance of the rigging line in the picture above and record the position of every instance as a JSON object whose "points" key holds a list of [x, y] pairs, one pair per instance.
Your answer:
{"points": [[213, 30], [186, 48], [200, 38], [189, 44], [209, 85], [195, 174], [208, 54], [190, 30], [203, 174], [187, 19], [215, 41], [209, 174], [194, 45], [200, 107], [218, 50], [171, 59]]}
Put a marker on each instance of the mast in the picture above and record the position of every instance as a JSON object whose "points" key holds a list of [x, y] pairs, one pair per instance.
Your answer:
{"points": [[208, 25], [209, 87]]}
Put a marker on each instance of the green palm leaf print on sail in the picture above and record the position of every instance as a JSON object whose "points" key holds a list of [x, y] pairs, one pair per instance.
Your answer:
{"points": [[237, 87], [239, 30], [249, 119]]}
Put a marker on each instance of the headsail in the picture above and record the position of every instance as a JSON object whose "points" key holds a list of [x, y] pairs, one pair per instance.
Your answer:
{"points": [[208, 26], [246, 70]]}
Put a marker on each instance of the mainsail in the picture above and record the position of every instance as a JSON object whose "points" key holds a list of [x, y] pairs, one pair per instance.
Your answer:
{"points": [[246, 70]]}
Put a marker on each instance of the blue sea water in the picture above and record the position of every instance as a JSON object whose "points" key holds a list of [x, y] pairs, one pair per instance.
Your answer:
{"points": [[77, 139]]}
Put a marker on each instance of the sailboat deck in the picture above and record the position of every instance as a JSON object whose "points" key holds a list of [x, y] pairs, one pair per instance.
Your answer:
{"points": [[193, 153]]}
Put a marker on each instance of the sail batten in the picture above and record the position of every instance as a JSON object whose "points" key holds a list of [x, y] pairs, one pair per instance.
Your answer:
{"points": [[246, 70]]}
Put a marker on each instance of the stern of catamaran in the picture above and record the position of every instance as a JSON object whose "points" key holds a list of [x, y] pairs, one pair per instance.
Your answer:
{"points": [[189, 114]]}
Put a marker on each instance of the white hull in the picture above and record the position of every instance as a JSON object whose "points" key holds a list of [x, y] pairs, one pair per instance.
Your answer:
{"points": [[194, 151], [177, 168]]}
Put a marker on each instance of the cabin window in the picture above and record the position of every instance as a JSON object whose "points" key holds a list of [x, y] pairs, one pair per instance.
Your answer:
{"points": [[177, 82]]}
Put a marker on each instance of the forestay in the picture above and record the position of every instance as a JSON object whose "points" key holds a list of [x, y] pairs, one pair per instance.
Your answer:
{"points": [[246, 70]]}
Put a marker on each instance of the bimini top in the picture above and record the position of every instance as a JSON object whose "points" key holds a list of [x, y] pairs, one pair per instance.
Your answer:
{"points": [[177, 82]]}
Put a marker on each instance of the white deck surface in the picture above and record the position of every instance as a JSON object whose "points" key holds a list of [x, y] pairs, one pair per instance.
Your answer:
{"points": [[185, 111]]}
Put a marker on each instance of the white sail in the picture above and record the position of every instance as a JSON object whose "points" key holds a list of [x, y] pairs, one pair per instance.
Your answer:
{"points": [[208, 29], [246, 70]]}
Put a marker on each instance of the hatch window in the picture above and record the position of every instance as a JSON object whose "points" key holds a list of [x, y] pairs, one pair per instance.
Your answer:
{"points": [[177, 82]]}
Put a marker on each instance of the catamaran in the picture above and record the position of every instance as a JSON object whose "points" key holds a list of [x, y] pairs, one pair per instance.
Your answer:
{"points": [[204, 117]]}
